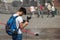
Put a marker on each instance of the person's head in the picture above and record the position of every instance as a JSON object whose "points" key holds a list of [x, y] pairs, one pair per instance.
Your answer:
{"points": [[22, 11]]}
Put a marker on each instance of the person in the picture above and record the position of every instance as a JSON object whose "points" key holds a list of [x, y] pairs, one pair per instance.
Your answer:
{"points": [[53, 11], [19, 23], [21, 2], [46, 4], [41, 10], [6, 5], [49, 9], [32, 10]]}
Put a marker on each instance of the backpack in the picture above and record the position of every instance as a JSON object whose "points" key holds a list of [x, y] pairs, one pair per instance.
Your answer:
{"points": [[11, 26]]}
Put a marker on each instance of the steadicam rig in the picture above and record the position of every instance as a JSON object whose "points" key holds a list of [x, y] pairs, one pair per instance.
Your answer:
{"points": [[30, 32], [28, 18]]}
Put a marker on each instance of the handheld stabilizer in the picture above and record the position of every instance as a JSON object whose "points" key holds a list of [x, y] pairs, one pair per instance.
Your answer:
{"points": [[28, 18]]}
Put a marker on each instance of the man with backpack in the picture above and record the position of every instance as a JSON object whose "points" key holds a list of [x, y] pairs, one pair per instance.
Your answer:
{"points": [[18, 25]]}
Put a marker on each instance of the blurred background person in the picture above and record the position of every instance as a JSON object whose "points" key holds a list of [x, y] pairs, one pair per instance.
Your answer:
{"points": [[49, 9], [41, 10], [32, 11], [53, 11]]}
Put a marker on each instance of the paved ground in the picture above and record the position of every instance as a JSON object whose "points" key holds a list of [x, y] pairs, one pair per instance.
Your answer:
{"points": [[48, 28]]}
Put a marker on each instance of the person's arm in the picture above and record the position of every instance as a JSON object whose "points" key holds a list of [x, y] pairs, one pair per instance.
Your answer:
{"points": [[23, 25]]}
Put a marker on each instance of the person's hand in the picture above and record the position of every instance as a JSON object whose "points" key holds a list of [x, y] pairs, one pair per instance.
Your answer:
{"points": [[26, 23]]}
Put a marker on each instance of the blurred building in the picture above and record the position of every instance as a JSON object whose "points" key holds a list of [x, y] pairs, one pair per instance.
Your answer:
{"points": [[57, 3], [7, 1], [34, 2], [10, 1]]}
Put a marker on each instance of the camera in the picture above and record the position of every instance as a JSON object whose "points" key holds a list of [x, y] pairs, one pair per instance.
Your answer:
{"points": [[28, 18]]}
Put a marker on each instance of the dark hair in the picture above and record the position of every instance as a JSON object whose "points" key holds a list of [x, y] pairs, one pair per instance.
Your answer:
{"points": [[22, 9]]}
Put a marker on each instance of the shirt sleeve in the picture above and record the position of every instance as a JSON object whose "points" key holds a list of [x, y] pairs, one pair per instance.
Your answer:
{"points": [[20, 19]]}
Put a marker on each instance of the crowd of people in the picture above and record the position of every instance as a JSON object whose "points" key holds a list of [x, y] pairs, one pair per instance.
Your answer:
{"points": [[51, 8], [48, 9]]}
